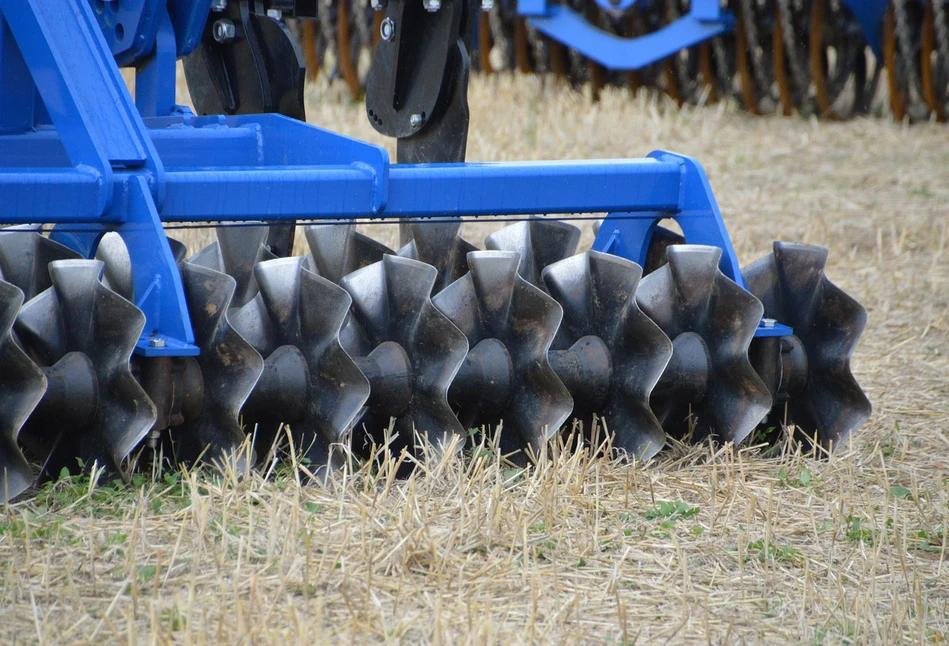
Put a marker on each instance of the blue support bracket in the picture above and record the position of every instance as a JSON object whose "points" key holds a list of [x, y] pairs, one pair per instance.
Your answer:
{"points": [[871, 15], [628, 234], [158, 290]]}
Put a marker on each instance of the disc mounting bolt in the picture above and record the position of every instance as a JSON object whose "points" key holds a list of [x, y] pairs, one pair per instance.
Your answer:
{"points": [[768, 322], [156, 342], [416, 120], [387, 29], [432, 5], [224, 30]]}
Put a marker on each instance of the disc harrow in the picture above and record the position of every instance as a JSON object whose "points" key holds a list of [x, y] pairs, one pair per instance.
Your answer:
{"points": [[822, 57], [117, 347]]}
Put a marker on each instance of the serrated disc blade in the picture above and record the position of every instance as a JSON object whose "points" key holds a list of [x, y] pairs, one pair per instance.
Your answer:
{"points": [[178, 250], [539, 242], [598, 294], [79, 314], [439, 245], [338, 249], [118, 265], [242, 248], [22, 385], [391, 303], [690, 295], [211, 258], [296, 308], [229, 366], [25, 255], [493, 302], [794, 290]]}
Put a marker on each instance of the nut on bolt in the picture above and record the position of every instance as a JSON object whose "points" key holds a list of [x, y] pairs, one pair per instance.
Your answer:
{"points": [[768, 322], [156, 342], [224, 30], [387, 29]]}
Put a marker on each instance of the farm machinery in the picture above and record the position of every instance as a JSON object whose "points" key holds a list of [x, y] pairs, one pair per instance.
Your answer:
{"points": [[822, 57], [115, 340]]}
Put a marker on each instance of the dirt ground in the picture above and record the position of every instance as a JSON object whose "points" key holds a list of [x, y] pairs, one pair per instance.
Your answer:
{"points": [[697, 546]]}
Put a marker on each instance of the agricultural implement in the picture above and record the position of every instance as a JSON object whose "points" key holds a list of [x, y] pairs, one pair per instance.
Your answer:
{"points": [[114, 340], [823, 57]]}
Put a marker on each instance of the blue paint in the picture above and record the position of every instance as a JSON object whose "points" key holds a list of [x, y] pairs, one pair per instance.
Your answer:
{"points": [[102, 167]]}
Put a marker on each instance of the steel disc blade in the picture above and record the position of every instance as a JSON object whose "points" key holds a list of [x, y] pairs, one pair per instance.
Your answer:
{"points": [[229, 365], [178, 249], [689, 295], [297, 317], [493, 303], [22, 385], [338, 249], [242, 248], [118, 265], [598, 294], [392, 304], [439, 245], [210, 258], [794, 289], [79, 315], [25, 255], [539, 242]]}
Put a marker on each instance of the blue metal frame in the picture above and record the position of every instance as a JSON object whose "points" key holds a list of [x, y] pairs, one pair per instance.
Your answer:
{"points": [[102, 167]]}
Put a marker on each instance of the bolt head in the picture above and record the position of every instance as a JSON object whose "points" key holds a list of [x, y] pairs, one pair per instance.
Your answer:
{"points": [[768, 322], [487, 5], [378, 5], [275, 14], [156, 342], [224, 30], [432, 5], [387, 29], [416, 121], [218, 5]]}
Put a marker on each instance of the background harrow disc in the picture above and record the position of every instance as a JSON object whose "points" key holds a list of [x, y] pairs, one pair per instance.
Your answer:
{"points": [[538, 242]]}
